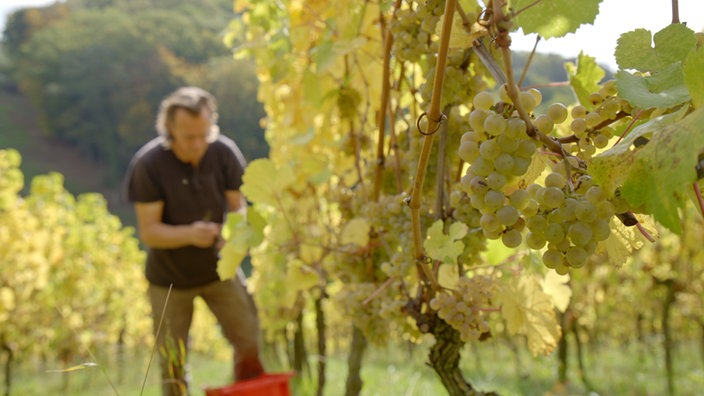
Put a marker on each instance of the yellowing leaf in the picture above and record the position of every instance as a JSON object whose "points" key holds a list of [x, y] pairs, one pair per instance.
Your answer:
{"points": [[300, 277], [529, 311], [556, 286], [356, 232], [496, 252], [443, 247], [460, 37], [448, 276], [693, 78], [264, 181], [656, 177]]}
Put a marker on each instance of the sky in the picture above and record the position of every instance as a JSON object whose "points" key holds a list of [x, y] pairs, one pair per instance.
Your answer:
{"points": [[598, 40]]}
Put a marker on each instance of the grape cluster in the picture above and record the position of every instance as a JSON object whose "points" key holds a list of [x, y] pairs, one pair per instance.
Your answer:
{"points": [[592, 129], [498, 150], [465, 308], [413, 29], [566, 214], [570, 221]]}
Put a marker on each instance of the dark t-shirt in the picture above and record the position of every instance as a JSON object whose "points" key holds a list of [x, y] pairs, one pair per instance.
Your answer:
{"points": [[189, 194]]}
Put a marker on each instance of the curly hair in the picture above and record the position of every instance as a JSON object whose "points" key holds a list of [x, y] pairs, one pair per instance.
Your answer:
{"points": [[191, 99]]}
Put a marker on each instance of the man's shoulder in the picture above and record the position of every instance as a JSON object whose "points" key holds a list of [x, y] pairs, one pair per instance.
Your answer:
{"points": [[150, 150], [228, 145]]}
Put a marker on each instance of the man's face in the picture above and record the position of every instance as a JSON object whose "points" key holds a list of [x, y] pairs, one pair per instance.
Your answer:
{"points": [[189, 135]]}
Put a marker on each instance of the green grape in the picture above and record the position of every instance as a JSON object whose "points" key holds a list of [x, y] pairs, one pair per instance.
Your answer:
{"points": [[595, 194], [504, 164], [585, 211], [579, 233], [519, 198], [537, 95], [593, 119], [533, 189], [512, 239], [562, 269], [535, 241], [551, 197], [600, 229], [494, 199], [600, 141], [526, 149], [576, 256], [516, 128], [527, 101], [608, 88], [595, 99], [555, 179], [537, 224], [554, 233], [469, 151], [552, 258], [558, 112], [507, 215], [579, 111], [605, 210], [481, 167], [508, 144], [469, 136], [489, 149], [544, 124], [483, 100], [478, 185], [579, 127], [520, 166], [495, 124], [476, 120], [531, 209], [496, 180]]}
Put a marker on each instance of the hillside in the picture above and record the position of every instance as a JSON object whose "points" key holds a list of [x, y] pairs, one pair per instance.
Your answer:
{"points": [[20, 128]]}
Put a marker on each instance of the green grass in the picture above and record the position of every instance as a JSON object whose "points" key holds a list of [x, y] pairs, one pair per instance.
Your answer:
{"points": [[631, 370]]}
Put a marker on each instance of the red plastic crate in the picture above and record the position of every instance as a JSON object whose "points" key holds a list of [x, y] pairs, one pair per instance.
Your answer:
{"points": [[269, 384]]}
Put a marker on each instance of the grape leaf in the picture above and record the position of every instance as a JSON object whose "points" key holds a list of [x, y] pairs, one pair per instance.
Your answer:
{"points": [[634, 49], [654, 178], [355, 232], [239, 236], [496, 252], [263, 181], [529, 311], [584, 78], [445, 248], [556, 286], [554, 18], [300, 277], [664, 89], [693, 77]]}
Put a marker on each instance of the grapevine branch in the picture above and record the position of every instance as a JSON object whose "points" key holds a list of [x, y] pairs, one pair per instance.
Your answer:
{"points": [[434, 119], [384, 104]]}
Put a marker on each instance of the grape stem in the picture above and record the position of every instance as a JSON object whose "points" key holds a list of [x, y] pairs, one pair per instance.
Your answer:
{"points": [[384, 105], [605, 123], [629, 127], [378, 290], [434, 118]]}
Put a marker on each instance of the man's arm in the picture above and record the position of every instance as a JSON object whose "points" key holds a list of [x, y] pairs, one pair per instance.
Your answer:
{"points": [[236, 202], [156, 234]]}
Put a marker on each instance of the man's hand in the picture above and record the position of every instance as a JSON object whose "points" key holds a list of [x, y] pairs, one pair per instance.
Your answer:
{"points": [[204, 233]]}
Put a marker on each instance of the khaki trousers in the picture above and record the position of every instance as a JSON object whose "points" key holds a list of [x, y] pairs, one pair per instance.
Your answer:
{"points": [[234, 310]]}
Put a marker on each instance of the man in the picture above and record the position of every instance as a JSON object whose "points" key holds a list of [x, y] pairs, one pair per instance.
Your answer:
{"points": [[182, 184]]}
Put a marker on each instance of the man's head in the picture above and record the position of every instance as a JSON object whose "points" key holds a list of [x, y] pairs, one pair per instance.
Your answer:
{"points": [[187, 120]]}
